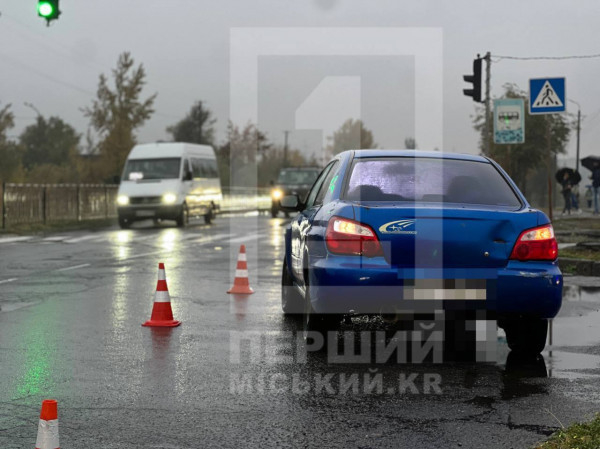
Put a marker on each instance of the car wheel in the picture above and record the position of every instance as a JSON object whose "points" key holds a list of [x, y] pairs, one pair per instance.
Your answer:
{"points": [[318, 322], [184, 217], [526, 335], [292, 302], [124, 223]]}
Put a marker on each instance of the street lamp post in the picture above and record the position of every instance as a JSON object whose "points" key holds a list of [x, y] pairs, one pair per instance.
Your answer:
{"points": [[31, 106]]}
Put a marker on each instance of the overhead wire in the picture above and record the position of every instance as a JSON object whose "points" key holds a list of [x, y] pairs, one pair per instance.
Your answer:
{"points": [[548, 58], [61, 51]]}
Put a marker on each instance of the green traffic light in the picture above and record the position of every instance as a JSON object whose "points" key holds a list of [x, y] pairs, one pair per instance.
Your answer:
{"points": [[45, 9]]}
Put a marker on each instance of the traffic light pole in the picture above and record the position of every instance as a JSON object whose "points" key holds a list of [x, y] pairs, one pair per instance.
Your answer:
{"points": [[488, 119], [475, 93]]}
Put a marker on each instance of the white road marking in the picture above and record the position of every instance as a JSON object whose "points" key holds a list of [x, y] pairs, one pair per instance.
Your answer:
{"points": [[56, 239], [209, 240], [13, 239], [248, 237], [6, 281], [75, 267], [84, 238], [204, 240], [142, 255]]}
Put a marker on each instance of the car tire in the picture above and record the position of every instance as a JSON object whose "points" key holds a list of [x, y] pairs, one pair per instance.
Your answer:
{"points": [[184, 217], [292, 302], [526, 336], [124, 223], [318, 322]]}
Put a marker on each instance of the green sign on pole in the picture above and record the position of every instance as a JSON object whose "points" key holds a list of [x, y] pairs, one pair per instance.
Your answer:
{"points": [[509, 121]]}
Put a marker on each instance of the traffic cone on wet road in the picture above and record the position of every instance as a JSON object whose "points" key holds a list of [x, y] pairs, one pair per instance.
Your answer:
{"points": [[241, 285], [162, 315], [47, 437]]}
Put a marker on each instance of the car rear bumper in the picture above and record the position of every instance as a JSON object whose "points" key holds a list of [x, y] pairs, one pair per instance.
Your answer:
{"points": [[343, 285]]}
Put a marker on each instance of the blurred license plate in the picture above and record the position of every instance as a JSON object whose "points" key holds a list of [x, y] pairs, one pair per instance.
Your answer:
{"points": [[144, 213]]}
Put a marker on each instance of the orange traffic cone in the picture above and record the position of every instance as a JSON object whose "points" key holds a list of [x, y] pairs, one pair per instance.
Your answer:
{"points": [[162, 315], [47, 437], [240, 283]]}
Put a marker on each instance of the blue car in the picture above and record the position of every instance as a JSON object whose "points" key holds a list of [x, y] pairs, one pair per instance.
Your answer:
{"points": [[382, 232]]}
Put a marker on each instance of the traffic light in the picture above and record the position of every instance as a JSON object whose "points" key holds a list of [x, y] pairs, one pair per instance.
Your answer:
{"points": [[475, 78], [48, 9]]}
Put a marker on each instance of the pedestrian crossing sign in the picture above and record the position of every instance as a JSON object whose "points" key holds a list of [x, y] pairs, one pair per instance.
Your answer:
{"points": [[547, 95]]}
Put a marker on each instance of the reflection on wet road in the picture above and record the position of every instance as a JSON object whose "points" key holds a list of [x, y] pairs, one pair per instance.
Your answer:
{"points": [[71, 308]]}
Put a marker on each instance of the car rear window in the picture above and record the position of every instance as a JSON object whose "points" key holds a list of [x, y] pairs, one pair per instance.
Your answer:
{"points": [[429, 180]]}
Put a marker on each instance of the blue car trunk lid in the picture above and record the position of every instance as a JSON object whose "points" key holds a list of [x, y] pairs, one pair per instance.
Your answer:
{"points": [[449, 236]]}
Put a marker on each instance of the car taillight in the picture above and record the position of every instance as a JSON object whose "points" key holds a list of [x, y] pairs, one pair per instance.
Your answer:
{"points": [[352, 238], [536, 244]]}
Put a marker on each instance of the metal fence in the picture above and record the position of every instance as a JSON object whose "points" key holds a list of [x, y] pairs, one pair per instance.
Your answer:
{"points": [[48, 203], [238, 199]]}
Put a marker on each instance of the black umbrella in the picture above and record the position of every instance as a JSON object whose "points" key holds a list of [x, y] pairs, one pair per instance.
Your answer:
{"points": [[574, 176], [590, 162]]}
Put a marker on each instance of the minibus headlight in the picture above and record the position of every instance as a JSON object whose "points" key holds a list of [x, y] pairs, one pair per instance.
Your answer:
{"points": [[122, 200], [169, 198]]}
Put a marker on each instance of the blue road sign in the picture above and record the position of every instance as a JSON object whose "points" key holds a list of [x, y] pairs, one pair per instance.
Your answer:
{"points": [[547, 95]]}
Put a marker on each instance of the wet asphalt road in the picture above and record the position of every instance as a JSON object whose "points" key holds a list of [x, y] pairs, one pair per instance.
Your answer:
{"points": [[71, 306]]}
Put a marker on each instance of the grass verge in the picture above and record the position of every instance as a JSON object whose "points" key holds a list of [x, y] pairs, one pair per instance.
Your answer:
{"points": [[579, 253], [576, 223], [579, 435]]}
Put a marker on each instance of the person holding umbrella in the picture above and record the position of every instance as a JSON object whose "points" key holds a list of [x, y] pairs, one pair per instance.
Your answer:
{"points": [[592, 163], [568, 179]]}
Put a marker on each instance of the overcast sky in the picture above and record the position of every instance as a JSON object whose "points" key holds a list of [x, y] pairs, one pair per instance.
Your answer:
{"points": [[184, 46]]}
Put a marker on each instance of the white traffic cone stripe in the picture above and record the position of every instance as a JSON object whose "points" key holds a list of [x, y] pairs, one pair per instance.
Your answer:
{"points": [[161, 275], [241, 273], [242, 256], [162, 296], [47, 437]]}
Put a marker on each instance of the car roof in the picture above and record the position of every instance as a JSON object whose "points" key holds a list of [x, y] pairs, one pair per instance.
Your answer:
{"points": [[418, 153], [170, 149]]}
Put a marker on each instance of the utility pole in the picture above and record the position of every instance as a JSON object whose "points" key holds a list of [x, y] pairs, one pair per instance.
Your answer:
{"points": [[285, 148], [548, 163], [578, 130], [488, 119]]}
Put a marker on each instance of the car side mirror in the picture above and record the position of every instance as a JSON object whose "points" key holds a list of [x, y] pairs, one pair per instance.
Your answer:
{"points": [[188, 176], [291, 203]]}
